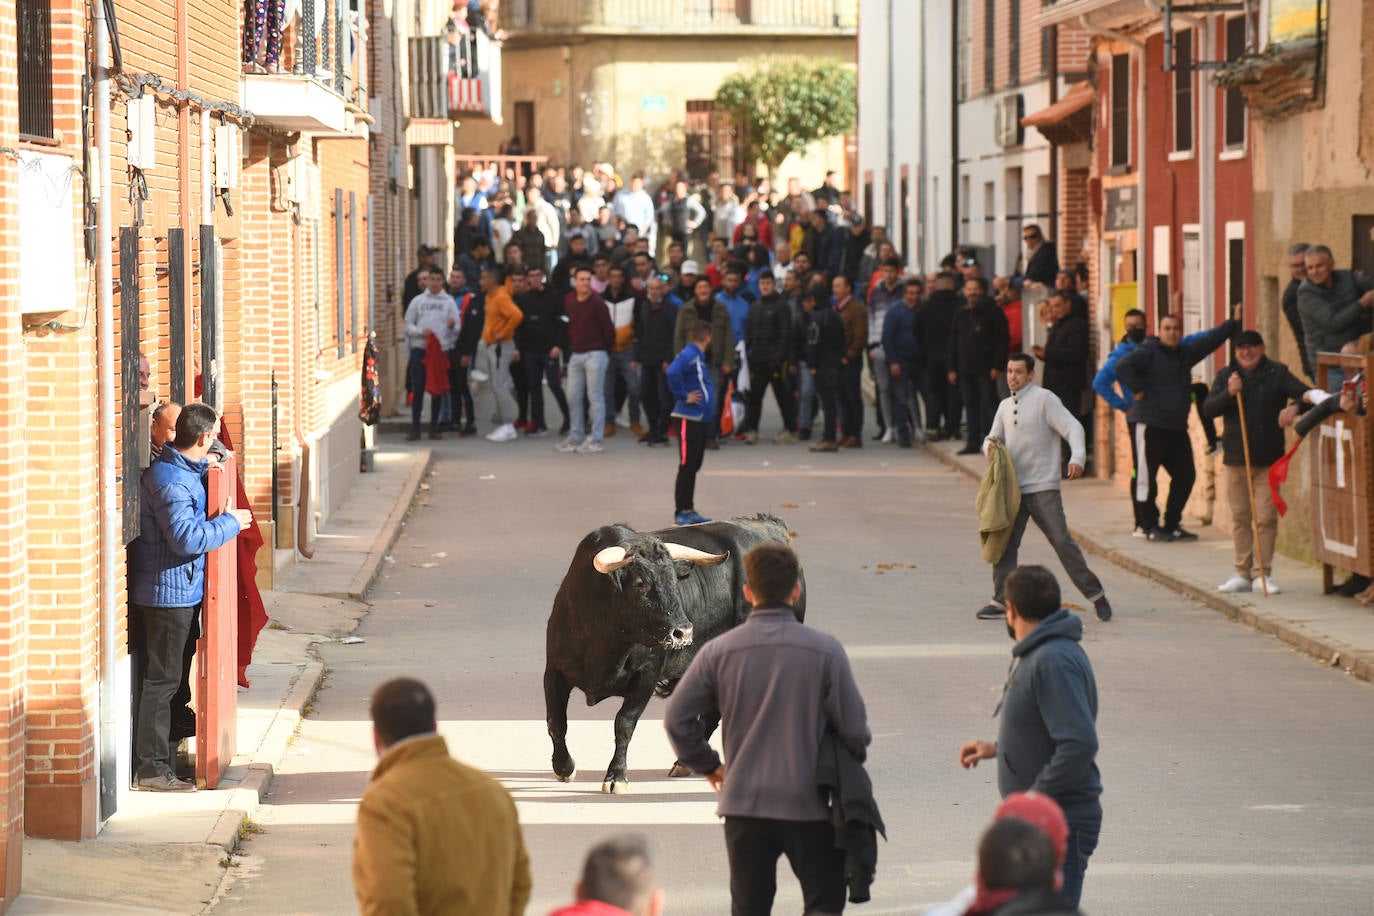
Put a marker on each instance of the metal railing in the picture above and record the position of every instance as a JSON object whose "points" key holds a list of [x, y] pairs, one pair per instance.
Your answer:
{"points": [[327, 42], [455, 75], [678, 15]]}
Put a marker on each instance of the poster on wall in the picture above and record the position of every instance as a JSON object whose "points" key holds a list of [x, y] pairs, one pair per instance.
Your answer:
{"points": [[1294, 20]]}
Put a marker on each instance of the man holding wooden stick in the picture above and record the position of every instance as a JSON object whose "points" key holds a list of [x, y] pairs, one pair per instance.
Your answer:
{"points": [[1253, 394]]}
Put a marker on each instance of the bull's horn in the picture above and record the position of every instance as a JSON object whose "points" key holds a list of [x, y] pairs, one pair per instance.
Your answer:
{"points": [[609, 559], [692, 555]]}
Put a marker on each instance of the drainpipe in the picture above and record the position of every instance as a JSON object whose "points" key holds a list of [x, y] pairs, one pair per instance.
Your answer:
{"points": [[105, 362], [955, 185], [893, 196], [923, 259], [1054, 148], [298, 408], [184, 182]]}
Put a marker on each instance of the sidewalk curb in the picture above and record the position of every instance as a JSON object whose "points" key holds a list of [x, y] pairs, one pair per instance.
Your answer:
{"points": [[1322, 648], [246, 797], [391, 529]]}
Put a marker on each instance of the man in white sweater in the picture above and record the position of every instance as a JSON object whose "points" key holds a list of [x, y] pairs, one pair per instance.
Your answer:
{"points": [[1031, 423]]}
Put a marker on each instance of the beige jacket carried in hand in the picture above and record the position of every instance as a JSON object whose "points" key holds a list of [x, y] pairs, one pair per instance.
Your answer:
{"points": [[999, 499]]}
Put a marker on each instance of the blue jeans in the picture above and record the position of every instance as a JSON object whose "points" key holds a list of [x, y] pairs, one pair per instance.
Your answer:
{"points": [[417, 389], [619, 367], [1082, 842], [806, 385], [587, 381]]}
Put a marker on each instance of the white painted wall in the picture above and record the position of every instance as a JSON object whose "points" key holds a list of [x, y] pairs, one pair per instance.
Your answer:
{"points": [[996, 219], [912, 95]]}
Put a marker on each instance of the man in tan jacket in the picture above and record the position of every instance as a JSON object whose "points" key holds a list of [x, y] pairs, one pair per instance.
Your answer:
{"points": [[434, 836]]}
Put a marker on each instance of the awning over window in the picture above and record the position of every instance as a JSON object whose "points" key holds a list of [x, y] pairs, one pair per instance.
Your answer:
{"points": [[1068, 120]]}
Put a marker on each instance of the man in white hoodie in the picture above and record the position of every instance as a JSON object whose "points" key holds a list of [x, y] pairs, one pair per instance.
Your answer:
{"points": [[433, 312], [1031, 422]]}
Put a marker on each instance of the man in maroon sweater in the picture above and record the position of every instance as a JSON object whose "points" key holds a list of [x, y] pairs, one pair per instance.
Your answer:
{"points": [[591, 335]]}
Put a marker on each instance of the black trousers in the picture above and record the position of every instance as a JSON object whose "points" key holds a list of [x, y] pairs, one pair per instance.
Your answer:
{"points": [[828, 390], [760, 378], [537, 368], [460, 391], [521, 380], [753, 846], [945, 405], [167, 646], [691, 448], [655, 397], [1172, 450], [852, 400], [978, 391]]}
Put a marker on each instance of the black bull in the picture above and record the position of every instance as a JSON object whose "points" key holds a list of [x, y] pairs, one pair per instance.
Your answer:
{"points": [[629, 617]]}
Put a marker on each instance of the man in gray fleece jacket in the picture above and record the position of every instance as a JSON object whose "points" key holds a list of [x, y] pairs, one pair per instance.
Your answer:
{"points": [[1031, 423], [779, 685]]}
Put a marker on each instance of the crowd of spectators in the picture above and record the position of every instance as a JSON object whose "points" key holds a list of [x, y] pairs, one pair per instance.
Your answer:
{"points": [[804, 296]]}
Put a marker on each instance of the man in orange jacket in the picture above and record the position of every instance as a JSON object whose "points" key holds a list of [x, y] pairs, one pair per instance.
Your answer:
{"points": [[503, 316]]}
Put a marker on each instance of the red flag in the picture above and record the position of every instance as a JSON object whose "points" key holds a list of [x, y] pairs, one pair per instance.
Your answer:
{"points": [[1278, 473]]}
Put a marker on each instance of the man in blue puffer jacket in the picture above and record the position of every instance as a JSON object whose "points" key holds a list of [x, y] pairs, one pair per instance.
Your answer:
{"points": [[689, 378], [167, 584]]}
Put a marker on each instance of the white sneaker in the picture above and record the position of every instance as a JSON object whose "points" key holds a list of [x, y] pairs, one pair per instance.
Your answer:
{"points": [[590, 447], [887, 436], [504, 433], [478, 376], [1235, 584], [1140, 533], [1260, 582], [567, 445], [622, 422]]}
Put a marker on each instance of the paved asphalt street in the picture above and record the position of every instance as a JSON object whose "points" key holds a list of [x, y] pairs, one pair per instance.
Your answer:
{"points": [[1237, 773]]}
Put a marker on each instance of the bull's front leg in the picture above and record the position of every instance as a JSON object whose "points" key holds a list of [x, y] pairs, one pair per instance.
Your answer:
{"points": [[556, 693], [637, 695], [709, 720]]}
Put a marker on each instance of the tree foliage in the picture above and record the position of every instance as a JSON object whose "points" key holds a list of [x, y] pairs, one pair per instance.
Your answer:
{"points": [[789, 103]]}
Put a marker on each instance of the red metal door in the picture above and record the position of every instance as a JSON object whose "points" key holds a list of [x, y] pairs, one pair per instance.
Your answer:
{"points": [[216, 650]]}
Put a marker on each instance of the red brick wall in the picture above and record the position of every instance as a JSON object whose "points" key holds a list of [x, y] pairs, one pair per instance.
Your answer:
{"points": [[13, 565]]}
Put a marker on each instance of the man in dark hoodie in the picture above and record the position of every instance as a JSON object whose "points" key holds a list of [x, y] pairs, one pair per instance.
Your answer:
{"points": [[1159, 374], [977, 352], [767, 340], [825, 343], [655, 320], [1047, 738], [540, 340], [933, 323]]}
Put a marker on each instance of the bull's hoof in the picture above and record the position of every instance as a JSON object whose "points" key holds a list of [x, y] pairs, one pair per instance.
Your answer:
{"points": [[679, 769], [565, 778], [614, 786], [564, 768]]}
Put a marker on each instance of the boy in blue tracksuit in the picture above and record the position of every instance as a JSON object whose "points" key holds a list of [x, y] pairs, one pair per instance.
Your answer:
{"points": [[689, 378]]}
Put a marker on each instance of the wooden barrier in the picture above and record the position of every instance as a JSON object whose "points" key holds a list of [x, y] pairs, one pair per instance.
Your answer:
{"points": [[217, 649], [1343, 478]]}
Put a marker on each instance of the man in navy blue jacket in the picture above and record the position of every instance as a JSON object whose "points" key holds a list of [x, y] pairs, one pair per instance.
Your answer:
{"points": [[167, 584], [689, 378], [1047, 739]]}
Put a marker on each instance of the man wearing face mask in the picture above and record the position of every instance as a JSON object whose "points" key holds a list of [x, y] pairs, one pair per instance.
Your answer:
{"points": [[1105, 384], [1032, 422]]}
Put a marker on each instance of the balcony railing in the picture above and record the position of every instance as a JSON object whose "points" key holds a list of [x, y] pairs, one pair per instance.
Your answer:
{"points": [[323, 47], [678, 15], [455, 76]]}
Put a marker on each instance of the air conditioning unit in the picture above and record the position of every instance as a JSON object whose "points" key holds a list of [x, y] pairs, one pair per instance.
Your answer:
{"points": [[1010, 111]]}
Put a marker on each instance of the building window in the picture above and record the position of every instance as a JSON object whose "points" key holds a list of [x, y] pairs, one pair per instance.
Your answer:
{"points": [[1121, 110], [35, 68], [1046, 49], [868, 198], [1235, 99], [712, 139], [1013, 42], [904, 214], [989, 44], [1183, 91]]}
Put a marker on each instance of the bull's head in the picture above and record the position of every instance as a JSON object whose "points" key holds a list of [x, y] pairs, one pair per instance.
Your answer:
{"points": [[646, 573]]}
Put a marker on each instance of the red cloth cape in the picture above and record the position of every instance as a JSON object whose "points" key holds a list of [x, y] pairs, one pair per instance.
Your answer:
{"points": [[436, 367], [1278, 474]]}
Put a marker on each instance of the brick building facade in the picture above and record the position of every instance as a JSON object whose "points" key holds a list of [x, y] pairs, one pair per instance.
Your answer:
{"points": [[254, 222]]}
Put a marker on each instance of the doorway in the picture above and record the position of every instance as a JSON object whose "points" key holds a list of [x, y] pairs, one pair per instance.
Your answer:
{"points": [[524, 126]]}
